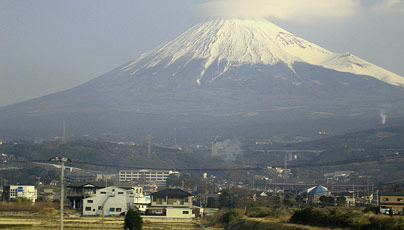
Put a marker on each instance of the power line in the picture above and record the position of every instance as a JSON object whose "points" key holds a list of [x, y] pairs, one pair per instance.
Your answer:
{"points": [[250, 168], [246, 168]]}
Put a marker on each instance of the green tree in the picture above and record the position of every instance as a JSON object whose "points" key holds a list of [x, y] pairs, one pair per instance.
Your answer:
{"points": [[226, 199], [341, 200], [211, 203], [133, 220], [327, 200]]}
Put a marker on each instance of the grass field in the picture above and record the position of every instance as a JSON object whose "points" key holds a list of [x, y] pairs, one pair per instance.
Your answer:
{"points": [[35, 221], [39, 221], [43, 216]]}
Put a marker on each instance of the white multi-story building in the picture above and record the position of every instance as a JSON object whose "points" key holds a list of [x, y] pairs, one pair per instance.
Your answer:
{"points": [[11, 192], [110, 200], [145, 175]]}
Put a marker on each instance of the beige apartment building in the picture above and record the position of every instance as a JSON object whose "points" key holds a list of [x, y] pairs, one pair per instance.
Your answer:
{"points": [[145, 175], [391, 201]]}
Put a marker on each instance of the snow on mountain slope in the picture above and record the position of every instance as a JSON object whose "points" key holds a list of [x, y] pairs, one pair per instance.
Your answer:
{"points": [[237, 42], [348, 62]]}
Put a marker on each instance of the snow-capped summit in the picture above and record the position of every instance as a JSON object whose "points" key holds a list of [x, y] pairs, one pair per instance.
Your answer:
{"points": [[234, 42]]}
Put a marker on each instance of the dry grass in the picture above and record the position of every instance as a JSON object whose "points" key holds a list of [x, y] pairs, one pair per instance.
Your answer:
{"points": [[271, 224], [36, 221], [26, 207]]}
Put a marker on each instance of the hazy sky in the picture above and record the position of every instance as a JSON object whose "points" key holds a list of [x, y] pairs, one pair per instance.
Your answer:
{"points": [[48, 45]]}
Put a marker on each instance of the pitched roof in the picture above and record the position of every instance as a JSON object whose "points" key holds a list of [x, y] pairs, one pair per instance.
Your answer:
{"points": [[391, 193], [318, 190], [172, 192]]}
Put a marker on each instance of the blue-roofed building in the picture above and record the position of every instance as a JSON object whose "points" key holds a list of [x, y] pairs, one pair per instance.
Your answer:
{"points": [[314, 193]]}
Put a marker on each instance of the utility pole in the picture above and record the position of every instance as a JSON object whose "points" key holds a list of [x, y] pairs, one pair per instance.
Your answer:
{"points": [[62, 161], [353, 194], [102, 220]]}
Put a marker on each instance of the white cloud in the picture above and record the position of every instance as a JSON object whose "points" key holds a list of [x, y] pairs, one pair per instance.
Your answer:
{"points": [[293, 10], [390, 6]]}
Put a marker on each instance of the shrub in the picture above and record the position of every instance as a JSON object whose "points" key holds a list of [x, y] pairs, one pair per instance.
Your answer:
{"points": [[342, 219], [372, 208], [259, 211], [229, 217], [384, 223], [21, 200]]}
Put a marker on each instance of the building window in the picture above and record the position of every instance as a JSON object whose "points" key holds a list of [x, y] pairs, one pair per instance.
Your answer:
{"points": [[90, 201], [185, 212], [120, 192], [160, 200], [399, 199], [385, 199], [99, 208], [112, 209], [88, 208], [103, 192], [118, 209]]}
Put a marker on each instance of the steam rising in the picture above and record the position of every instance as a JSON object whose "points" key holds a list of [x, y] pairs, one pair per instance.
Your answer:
{"points": [[390, 5], [228, 149], [383, 116], [281, 9]]}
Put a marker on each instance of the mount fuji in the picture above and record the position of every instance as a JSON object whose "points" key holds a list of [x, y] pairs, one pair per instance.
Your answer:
{"points": [[220, 70]]}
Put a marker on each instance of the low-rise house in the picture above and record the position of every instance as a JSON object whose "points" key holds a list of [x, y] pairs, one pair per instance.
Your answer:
{"points": [[350, 199], [48, 193], [81, 175], [171, 203], [108, 201], [391, 201], [11, 192], [339, 176], [142, 202]]}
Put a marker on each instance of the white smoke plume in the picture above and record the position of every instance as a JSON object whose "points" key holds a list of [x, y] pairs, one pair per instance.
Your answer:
{"points": [[390, 6], [383, 116], [228, 149], [297, 10]]}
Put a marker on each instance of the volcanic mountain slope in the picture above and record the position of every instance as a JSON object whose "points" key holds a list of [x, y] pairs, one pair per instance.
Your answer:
{"points": [[226, 68]]}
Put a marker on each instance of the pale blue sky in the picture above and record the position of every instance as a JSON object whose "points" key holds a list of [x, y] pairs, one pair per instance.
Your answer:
{"points": [[48, 45]]}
